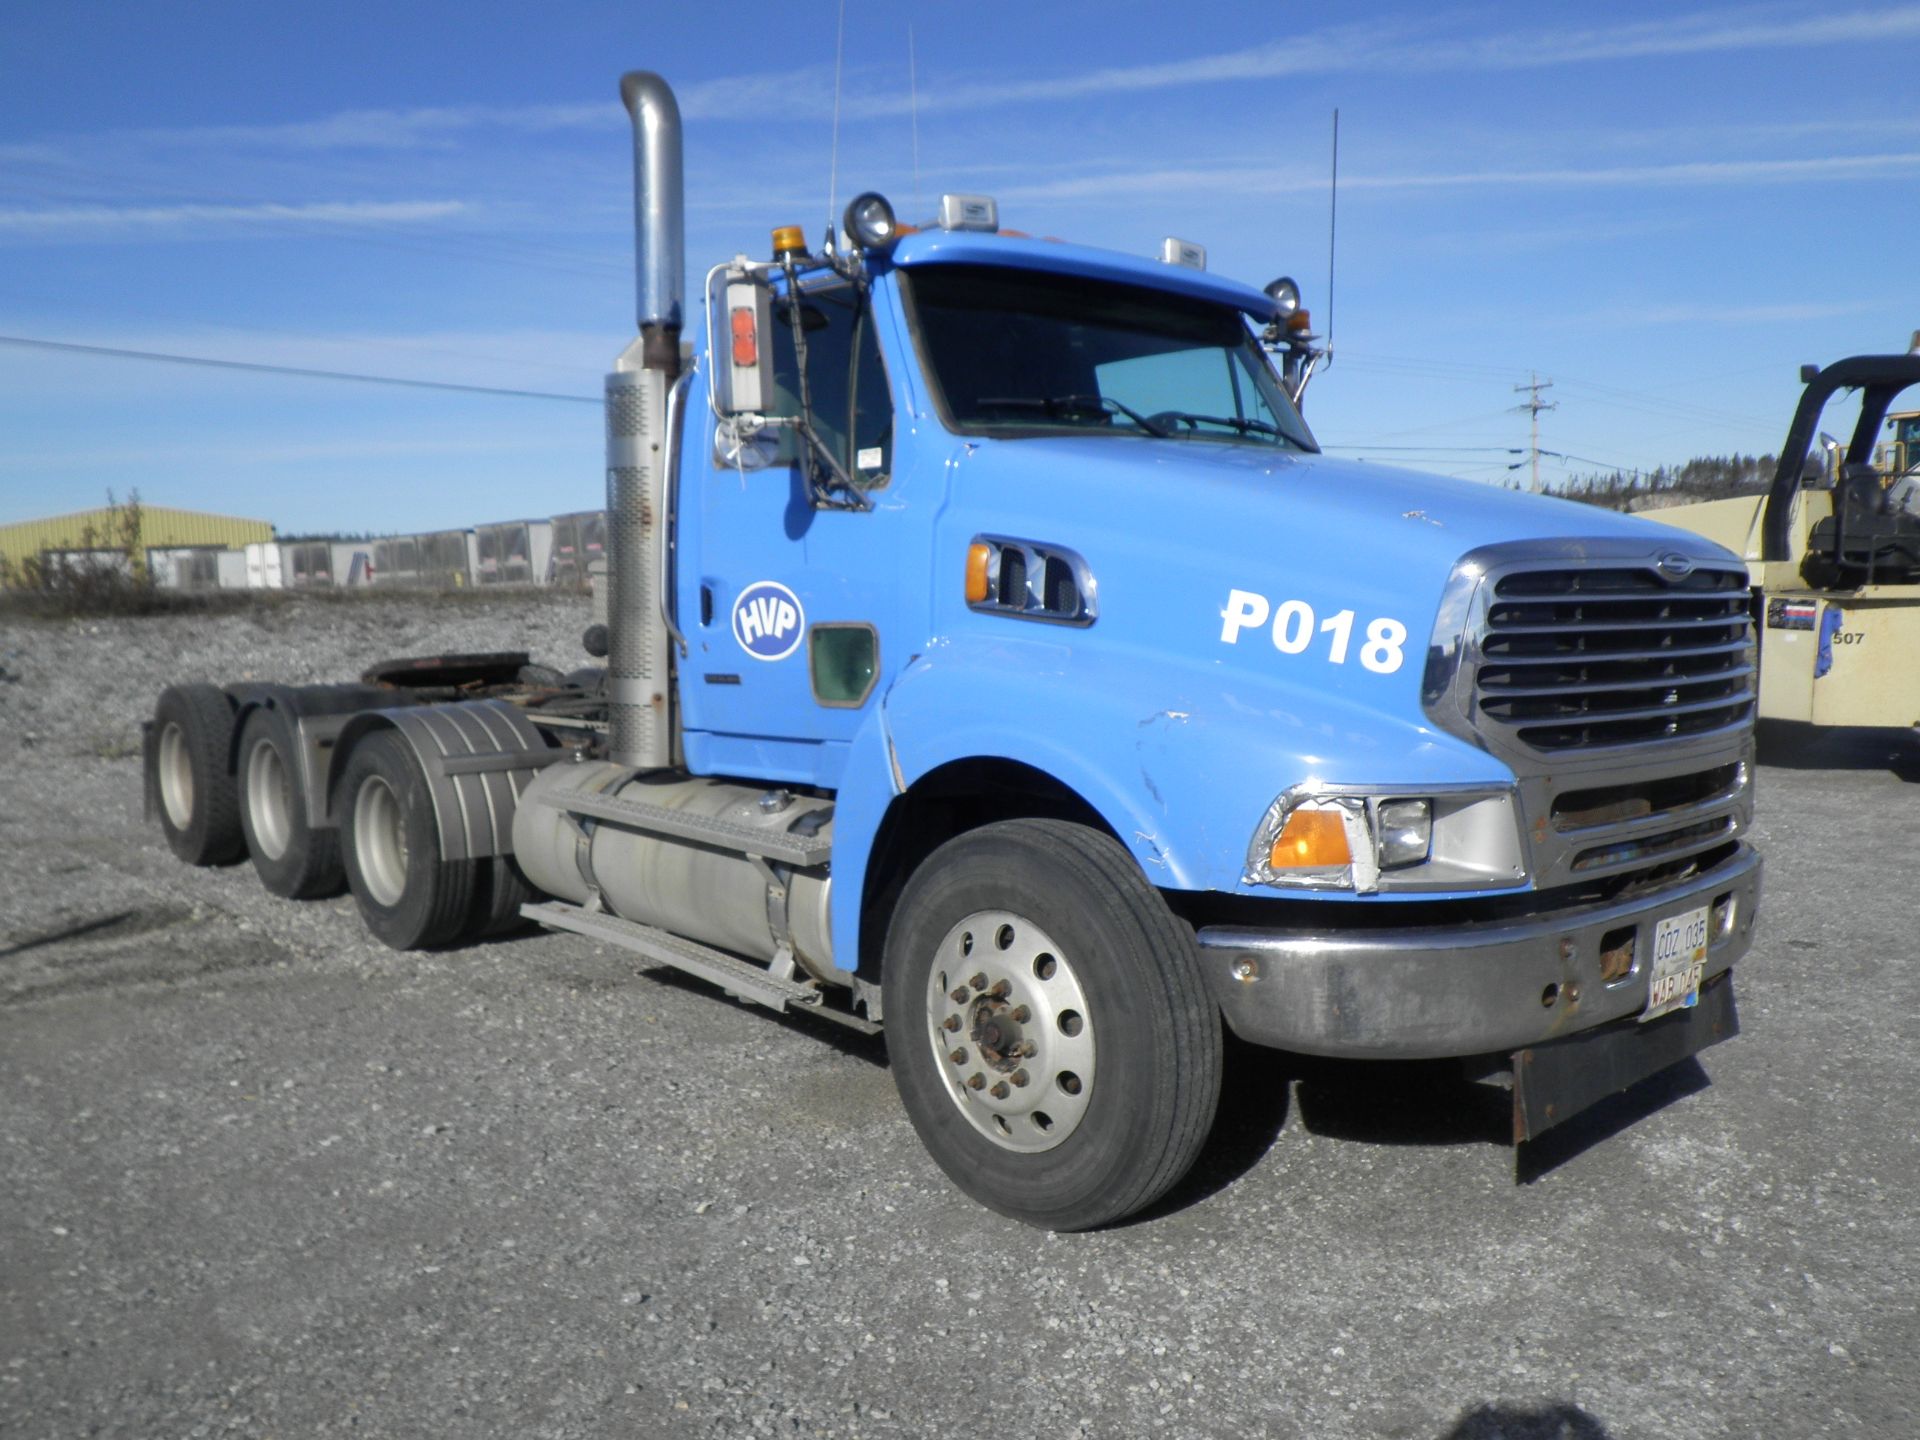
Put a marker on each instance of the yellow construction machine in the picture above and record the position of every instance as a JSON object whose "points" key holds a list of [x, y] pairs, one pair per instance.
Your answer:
{"points": [[1833, 550]]}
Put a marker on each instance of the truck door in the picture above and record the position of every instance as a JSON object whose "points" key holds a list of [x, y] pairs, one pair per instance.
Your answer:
{"points": [[795, 613]]}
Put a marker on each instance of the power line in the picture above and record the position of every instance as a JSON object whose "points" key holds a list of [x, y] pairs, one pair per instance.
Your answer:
{"points": [[1589, 460], [260, 367]]}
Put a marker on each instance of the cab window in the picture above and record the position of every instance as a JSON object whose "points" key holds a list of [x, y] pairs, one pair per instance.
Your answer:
{"points": [[846, 378]]}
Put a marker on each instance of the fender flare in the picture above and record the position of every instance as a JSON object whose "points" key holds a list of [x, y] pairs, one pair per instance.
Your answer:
{"points": [[477, 755], [317, 714]]}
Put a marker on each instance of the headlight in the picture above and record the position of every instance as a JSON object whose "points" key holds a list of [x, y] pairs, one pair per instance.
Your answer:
{"points": [[1403, 832], [1364, 839]]}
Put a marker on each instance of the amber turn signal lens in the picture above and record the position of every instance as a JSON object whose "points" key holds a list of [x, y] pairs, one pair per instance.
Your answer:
{"points": [[1311, 839], [977, 557]]}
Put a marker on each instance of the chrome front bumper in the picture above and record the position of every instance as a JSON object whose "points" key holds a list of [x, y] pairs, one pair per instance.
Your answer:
{"points": [[1467, 989]]}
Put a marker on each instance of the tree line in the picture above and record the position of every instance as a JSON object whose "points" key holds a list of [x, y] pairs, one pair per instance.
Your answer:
{"points": [[1705, 477]]}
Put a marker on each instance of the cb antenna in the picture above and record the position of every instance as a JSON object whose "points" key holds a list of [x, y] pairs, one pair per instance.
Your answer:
{"points": [[833, 161], [1333, 217], [913, 92]]}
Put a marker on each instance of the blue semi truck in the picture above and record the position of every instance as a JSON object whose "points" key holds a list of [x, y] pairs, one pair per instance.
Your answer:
{"points": [[993, 659]]}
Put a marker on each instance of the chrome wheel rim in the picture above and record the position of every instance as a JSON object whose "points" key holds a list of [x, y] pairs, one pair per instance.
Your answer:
{"points": [[1011, 1032], [176, 775], [380, 840], [269, 799]]}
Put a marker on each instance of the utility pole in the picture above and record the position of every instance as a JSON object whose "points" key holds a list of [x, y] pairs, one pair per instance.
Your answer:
{"points": [[1533, 406]]}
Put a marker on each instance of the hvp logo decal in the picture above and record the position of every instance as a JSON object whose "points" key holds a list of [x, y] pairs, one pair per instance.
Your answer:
{"points": [[768, 620]]}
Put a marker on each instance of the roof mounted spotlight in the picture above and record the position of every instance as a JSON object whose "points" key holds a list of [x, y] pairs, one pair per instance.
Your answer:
{"points": [[869, 223], [1285, 295], [969, 212]]}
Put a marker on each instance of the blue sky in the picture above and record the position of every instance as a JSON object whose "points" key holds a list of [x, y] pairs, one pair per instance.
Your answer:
{"points": [[1664, 209]]}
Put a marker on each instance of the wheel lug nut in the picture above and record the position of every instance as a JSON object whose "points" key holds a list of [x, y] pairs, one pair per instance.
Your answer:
{"points": [[959, 996], [952, 1022], [1020, 1077], [1022, 1050], [1001, 989], [999, 1091], [959, 1057], [1020, 1015], [974, 1082], [979, 982]]}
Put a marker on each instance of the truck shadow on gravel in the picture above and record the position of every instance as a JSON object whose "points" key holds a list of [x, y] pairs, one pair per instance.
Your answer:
{"points": [[1389, 1103], [1787, 745], [1433, 1103], [870, 1048], [1527, 1422], [1425, 1103]]}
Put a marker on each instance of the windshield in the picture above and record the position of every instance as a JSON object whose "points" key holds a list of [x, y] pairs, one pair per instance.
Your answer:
{"points": [[1022, 352]]}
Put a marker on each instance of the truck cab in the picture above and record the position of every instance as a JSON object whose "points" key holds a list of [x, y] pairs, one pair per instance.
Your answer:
{"points": [[995, 661]]}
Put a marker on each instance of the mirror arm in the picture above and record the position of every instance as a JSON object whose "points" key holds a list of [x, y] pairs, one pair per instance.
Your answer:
{"points": [[819, 456]]}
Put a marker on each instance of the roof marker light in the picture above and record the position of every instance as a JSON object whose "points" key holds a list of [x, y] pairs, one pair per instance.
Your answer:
{"points": [[1183, 252], [969, 212]]}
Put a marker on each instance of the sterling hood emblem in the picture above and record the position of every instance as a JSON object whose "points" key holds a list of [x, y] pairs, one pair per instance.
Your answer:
{"points": [[1674, 566]]}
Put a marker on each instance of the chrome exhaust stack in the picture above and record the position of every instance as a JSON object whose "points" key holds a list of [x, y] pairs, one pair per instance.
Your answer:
{"points": [[638, 665]]}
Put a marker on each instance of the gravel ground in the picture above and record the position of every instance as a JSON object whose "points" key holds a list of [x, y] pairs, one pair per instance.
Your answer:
{"points": [[263, 1177]]}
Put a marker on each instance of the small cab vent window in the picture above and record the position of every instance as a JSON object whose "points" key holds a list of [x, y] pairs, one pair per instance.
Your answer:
{"points": [[844, 662]]}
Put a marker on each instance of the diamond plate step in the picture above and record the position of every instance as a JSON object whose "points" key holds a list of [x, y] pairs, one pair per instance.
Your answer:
{"points": [[803, 850], [739, 978]]}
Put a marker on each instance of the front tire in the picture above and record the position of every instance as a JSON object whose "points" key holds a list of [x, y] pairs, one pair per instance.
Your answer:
{"points": [[194, 790], [1048, 1028], [409, 896], [291, 858]]}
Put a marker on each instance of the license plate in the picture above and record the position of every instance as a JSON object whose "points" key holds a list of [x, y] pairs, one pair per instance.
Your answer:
{"points": [[1679, 960]]}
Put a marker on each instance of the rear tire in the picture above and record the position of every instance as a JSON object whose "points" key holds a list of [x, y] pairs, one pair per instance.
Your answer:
{"points": [[499, 892], [1074, 1080], [291, 858], [195, 791], [390, 841]]}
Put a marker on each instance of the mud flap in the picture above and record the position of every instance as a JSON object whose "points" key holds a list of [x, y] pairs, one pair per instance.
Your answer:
{"points": [[1555, 1081]]}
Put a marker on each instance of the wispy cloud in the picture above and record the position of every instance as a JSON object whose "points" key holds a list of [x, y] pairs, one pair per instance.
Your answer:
{"points": [[108, 221], [198, 453], [1249, 180], [1341, 49], [426, 127], [1375, 48], [1512, 240], [1783, 313]]}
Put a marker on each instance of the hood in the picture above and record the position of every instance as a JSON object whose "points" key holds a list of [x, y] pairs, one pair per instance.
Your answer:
{"points": [[1196, 547]]}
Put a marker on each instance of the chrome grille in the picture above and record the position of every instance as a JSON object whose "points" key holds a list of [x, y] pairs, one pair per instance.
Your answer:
{"points": [[1577, 658]]}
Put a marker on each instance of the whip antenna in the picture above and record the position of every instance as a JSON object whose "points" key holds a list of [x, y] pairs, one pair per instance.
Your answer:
{"points": [[1333, 216], [833, 162], [913, 94]]}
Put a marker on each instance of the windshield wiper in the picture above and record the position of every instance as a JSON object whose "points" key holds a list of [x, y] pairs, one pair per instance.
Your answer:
{"points": [[1067, 406], [1231, 422]]}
